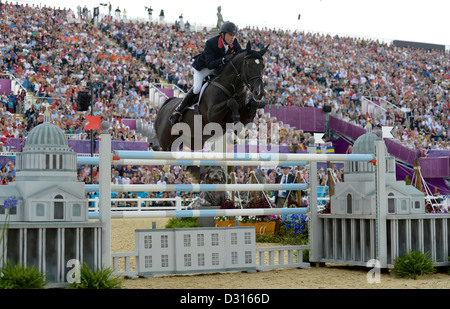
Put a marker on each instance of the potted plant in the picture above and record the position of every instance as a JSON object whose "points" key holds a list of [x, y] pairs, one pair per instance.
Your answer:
{"points": [[225, 221], [297, 223], [264, 225]]}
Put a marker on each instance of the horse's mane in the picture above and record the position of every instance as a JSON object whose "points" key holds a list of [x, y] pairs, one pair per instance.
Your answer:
{"points": [[249, 54], [254, 54]]}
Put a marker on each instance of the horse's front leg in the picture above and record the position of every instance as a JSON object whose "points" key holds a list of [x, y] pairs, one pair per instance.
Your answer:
{"points": [[253, 107], [233, 105]]}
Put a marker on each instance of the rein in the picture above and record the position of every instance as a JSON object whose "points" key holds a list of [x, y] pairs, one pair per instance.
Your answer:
{"points": [[238, 76]]}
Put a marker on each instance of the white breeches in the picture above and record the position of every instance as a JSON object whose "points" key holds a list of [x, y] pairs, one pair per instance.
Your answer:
{"points": [[199, 76]]}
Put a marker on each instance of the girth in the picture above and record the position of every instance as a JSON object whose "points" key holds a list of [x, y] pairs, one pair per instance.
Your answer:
{"points": [[228, 93]]}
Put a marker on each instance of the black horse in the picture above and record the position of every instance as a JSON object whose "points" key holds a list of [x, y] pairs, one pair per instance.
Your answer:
{"points": [[224, 101]]}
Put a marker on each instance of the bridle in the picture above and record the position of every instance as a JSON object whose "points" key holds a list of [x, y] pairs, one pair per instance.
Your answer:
{"points": [[248, 82], [242, 76]]}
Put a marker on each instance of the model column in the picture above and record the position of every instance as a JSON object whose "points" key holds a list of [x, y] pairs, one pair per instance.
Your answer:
{"points": [[105, 192]]}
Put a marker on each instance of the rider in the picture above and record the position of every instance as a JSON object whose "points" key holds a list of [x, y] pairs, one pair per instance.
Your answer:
{"points": [[218, 51]]}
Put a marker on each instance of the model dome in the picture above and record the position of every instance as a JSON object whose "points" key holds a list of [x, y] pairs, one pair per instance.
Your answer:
{"points": [[46, 150], [46, 135], [365, 144]]}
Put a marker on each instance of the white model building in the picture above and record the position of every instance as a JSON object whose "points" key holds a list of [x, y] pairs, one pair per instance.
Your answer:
{"points": [[49, 226], [357, 195], [190, 250], [365, 225], [46, 185]]}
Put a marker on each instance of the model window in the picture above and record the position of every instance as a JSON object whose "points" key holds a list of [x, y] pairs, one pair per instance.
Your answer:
{"points": [[349, 203], [58, 213], [391, 203], [40, 210], [76, 210]]}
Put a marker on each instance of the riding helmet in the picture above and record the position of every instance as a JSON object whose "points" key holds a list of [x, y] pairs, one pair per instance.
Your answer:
{"points": [[228, 27]]}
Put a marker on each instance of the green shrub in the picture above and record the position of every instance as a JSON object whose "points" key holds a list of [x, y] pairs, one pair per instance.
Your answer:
{"points": [[21, 277], [99, 279], [305, 255], [413, 264], [448, 269], [184, 222], [285, 237]]}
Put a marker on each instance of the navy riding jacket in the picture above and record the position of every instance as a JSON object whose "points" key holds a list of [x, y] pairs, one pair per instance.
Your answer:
{"points": [[212, 55]]}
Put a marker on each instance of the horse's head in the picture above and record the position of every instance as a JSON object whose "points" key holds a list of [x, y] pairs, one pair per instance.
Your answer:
{"points": [[252, 71]]}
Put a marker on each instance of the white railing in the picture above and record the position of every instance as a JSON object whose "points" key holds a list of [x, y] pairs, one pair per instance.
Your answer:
{"points": [[75, 136], [156, 96], [126, 263], [16, 85], [281, 257], [380, 109], [142, 204], [177, 91]]}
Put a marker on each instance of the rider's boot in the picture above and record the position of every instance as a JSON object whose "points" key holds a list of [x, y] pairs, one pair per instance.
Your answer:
{"points": [[177, 113]]}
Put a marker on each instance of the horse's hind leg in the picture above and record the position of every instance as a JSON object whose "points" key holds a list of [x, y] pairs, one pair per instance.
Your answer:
{"points": [[233, 105]]}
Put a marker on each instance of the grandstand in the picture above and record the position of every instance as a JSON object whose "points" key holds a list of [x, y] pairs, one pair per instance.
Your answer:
{"points": [[316, 83]]}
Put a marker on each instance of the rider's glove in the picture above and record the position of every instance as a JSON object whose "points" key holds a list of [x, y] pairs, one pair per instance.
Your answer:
{"points": [[227, 58]]}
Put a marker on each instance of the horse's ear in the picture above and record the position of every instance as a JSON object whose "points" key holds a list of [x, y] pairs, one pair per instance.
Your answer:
{"points": [[263, 51], [249, 47]]}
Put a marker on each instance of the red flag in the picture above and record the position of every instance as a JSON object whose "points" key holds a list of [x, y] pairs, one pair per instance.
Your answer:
{"points": [[93, 123]]}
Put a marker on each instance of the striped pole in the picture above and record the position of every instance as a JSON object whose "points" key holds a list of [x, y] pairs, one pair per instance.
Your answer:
{"points": [[145, 158], [203, 213], [95, 160], [179, 155], [205, 162], [200, 187], [88, 160]]}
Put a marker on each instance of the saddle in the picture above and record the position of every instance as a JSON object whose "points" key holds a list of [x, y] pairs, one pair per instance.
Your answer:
{"points": [[196, 100]]}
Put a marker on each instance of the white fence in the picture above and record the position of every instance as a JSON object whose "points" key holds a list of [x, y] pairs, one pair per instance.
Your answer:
{"points": [[141, 204], [267, 258]]}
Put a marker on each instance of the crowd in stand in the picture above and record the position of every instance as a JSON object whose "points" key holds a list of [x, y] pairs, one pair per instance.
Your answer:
{"points": [[56, 55]]}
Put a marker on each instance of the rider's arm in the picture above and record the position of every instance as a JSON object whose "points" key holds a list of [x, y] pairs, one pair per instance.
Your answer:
{"points": [[213, 56]]}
